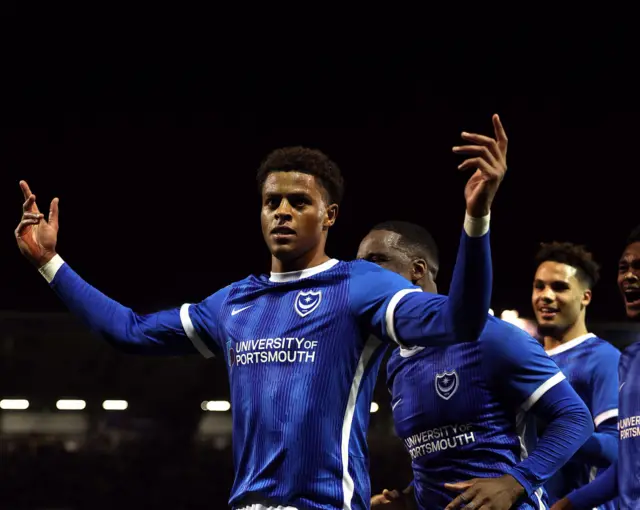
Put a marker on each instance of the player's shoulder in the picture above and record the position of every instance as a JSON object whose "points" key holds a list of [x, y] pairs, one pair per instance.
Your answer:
{"points": [[361, 267], [501, 337], [602, 354], [602, 346], [372, 275]]}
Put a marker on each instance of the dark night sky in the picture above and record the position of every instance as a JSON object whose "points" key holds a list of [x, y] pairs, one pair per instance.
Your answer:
{"points": [[153, 154]]}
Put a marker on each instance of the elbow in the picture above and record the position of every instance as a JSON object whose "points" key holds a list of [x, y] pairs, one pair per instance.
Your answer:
{"points": [[582, 418]]}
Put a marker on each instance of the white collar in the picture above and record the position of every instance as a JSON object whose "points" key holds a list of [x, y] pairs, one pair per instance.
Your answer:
{"points": [[570, 344], [304, 273]]}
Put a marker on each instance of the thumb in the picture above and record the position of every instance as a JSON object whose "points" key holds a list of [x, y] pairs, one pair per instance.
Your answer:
{"points": [[391, 495], [53, 214]]}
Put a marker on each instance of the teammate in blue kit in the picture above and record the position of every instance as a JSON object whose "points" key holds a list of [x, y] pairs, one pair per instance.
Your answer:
{"points": [[622, 479], [301, 344], [562, 290], [464, 412]]}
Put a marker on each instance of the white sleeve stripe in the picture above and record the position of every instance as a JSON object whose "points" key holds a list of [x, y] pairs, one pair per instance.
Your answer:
{"points": [[389, 315], [191, 332], [542, 389], [602, 417]]}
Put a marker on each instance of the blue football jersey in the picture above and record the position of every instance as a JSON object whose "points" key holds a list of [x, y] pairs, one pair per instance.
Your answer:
{"points": [[629, 426], [301, 360], [302, 366], [462, 410], [590, 364]]}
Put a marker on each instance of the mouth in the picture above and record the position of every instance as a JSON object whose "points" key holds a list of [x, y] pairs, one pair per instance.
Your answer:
{"points": [[283, 232], [548, 313], [632, 297]]}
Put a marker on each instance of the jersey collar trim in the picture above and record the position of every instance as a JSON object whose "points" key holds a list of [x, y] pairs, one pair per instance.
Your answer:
{"points": [[570, 344], [305, 273]]}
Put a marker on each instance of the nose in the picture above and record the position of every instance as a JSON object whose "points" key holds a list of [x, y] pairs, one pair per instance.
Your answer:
{"points": [[631, 276], [547, 295], [283, 212]]}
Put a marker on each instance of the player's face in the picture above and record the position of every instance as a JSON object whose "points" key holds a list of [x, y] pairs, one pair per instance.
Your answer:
{"points": [[629, 280], [295, 215], [381, 247], [558, 297]]}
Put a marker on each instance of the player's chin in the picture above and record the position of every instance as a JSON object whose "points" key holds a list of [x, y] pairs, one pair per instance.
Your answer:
{"points": [[548, 328], [284, 250], [633, 312]]}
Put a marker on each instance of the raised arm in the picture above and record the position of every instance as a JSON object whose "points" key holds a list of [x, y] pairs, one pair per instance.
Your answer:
{"points": [[414, 318], [472, 279], [162, 333]]}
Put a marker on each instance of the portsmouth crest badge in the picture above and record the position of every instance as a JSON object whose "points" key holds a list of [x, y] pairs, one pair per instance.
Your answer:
{"points": [[447, 384], [307, 301]]}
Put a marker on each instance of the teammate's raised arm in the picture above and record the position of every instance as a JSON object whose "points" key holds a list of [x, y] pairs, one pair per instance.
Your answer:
{"points": [[410, 317], [162, 333], [472, 280]]}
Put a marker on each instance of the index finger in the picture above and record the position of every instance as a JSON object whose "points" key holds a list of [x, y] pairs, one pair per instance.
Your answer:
{"points": [[26, 191], [501, 135]]}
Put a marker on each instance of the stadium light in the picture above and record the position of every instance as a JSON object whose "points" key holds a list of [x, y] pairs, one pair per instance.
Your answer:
{"points": [[14, 404], [71, 405], [115, 405], [215, 405], [374, 407]]}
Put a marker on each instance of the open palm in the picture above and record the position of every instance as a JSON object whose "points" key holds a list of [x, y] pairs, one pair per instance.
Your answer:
{"points": [[37, 237]]}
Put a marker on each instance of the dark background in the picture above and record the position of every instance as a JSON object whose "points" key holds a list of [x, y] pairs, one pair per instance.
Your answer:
{"points": [[150, 128]]}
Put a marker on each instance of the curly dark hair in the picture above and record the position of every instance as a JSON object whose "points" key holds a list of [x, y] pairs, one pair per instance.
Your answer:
{"points": [[416, 240], [634, 236], [574, 255], [308, 161]]}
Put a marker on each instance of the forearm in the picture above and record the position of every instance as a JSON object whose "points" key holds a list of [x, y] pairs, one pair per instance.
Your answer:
{"points": [[604, 488], [472, 281], [160, 333], [601, 449], [570, 425]]}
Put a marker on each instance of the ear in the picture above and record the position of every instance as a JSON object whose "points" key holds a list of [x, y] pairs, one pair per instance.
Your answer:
{"points": [[418, 270], [330, 216], [586, 297]]}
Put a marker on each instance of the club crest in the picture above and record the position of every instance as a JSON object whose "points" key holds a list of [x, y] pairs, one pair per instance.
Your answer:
{"points": [[307, 301], [446, 384]]}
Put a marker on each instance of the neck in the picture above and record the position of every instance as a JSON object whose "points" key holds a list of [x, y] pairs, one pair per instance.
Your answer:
{"points": [[305, 261], [578, 329]]}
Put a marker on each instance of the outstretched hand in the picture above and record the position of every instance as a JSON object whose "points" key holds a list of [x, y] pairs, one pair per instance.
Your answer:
{"points": [[489, 159], [36, 236]]}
